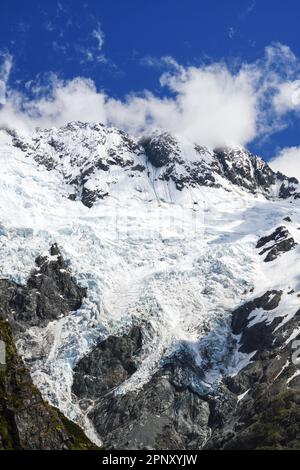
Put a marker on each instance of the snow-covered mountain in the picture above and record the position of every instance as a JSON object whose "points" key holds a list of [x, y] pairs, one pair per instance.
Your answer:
{"points": [[99, 162], [177, 274]]}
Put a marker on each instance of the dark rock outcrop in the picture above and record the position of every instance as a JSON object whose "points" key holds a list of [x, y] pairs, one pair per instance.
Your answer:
{"points": [[163, 414], [158, 416], [288, 187], [279, 241], [281, 247], [108, 365], [160, 149], [245, 170], [237, 165], [174, 410], [267, 412], [240, 317], [27, 422], [281, 233], [88, 197], [256, 337], [50, 292]]}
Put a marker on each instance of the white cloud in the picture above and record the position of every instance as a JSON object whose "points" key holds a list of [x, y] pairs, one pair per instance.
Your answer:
{"points": [[206, 106], [98, 34], [160, 62], [288, 97], [212, 105], [66, 101], [6, 63], [288, 162], [87, 49], [93, 53], [279, 54]]}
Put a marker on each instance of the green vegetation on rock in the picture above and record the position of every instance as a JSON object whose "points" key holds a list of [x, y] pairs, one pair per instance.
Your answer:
{"points": [[26, 420]]}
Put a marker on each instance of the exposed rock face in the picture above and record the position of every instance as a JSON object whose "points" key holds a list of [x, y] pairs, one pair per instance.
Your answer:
{"points": [[280, 241], [26, 421], [161, 149], [255, 337], [50, 293], [169, 412], [287, 188], [281, 233], [250, 172], [108, 365], [245, 170], [81, 153], [267, 413], [163, 414], [89, 197], [158, 416], [238, 166]]}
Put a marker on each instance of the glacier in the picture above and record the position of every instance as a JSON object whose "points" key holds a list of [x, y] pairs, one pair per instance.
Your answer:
{"points": [[178, 260]]}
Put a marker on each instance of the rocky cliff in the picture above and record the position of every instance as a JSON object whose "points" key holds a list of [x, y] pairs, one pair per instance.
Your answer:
{"points": [[27, 421]]}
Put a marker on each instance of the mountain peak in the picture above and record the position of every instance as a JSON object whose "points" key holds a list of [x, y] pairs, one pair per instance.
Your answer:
{"points": [[96, 160]]}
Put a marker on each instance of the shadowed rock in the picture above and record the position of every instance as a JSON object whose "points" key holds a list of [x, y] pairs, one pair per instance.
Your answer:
{"points": [[27, 422], [160, 149], [267, 413], [50, 293], [108, 365]]}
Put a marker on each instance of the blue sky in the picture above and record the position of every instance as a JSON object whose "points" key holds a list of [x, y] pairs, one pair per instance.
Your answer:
{"points": [[118, 44]]}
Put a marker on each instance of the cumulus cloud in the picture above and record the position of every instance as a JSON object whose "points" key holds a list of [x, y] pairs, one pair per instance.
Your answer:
{"points": [[206, 106], [63, 102], [213, 104], [288, 97], [288, 162], [281, 58]]}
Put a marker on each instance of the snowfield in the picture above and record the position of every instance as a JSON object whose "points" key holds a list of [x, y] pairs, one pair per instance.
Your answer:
{"points": [[179, 261]]}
